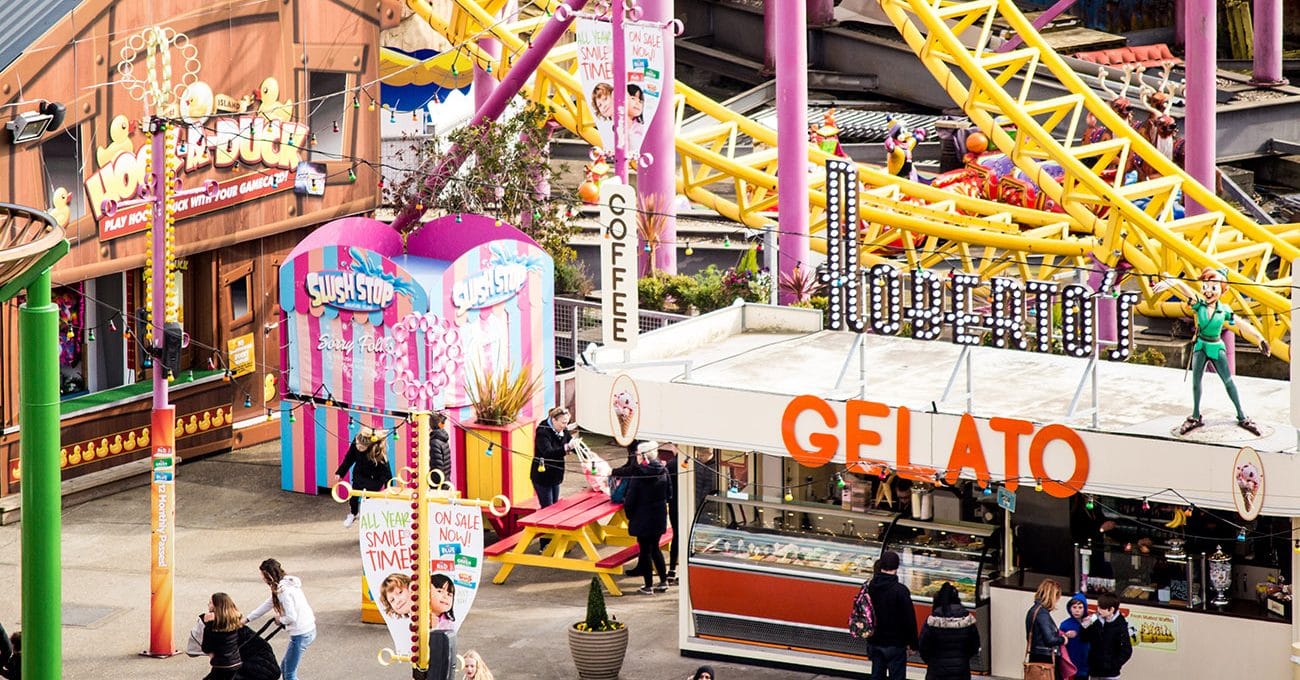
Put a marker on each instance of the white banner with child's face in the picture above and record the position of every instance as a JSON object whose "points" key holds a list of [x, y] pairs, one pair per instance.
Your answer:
{"points": [[455, 533], [644, 64]]}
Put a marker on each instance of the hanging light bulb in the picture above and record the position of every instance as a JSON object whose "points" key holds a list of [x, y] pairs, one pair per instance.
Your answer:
{"points": [[392, 116], [988, 490], [488, 453], [90, 335], [689, 250], [726, 241], [1241, 535], [248, 401], [293, 417], [70, 335], [647, 247], [371, 105], [148, 363], [352, 175], [459, 219], [788, 496], [112, 325], [356, 102], [313, 139], [1088, 504], [336, 126], [1038, 484], [1145, 505], [839, 480], [1296, 546]]}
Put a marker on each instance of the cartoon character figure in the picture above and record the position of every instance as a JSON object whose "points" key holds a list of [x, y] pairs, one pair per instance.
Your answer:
{"points": [[827, 136], [1212, 317], [1248, 482], [1094, 131], [898, 148]]}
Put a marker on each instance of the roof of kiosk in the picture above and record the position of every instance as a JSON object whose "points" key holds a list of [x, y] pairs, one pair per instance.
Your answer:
{"points": [[757, 358], [445, 238]]}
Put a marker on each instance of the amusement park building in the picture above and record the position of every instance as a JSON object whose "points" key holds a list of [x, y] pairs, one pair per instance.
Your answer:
{"points": [[275, 107]]}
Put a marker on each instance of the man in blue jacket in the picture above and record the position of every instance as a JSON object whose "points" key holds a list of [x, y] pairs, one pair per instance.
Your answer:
{"points": [[895, 621]]}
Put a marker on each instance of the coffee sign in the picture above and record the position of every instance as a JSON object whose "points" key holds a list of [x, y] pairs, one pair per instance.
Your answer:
{"points": [[351, 291]]}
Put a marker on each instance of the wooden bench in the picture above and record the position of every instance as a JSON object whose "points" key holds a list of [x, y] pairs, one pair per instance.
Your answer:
{"points": [[509, 523], [623, 556], [502, 546]]}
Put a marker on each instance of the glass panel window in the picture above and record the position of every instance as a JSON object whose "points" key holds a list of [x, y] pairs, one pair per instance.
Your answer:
{"points": [[326, 118], [61, 153]]}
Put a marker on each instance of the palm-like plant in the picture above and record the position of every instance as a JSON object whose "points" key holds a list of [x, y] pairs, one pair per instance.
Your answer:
{"points": [[651, 217], [497, 397], [800, 283]]}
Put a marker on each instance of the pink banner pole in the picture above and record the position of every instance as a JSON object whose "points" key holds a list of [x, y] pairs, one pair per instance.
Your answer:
{"points": [[821, 12], [496, 103], [1199, 124], [1180, 22], [792, 137], [1268, 43], [769, 37], [617, 11], [659, 176]]}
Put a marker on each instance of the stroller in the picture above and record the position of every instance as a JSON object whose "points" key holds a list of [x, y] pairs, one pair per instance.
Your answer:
{"points": [[254, 649]]}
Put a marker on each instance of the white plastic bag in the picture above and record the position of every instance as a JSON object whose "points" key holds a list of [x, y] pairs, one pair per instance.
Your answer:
{"points": [[594, 468]]}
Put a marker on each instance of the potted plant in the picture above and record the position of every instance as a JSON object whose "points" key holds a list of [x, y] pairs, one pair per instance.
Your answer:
{"points": [[598, 642], [499, 398]]}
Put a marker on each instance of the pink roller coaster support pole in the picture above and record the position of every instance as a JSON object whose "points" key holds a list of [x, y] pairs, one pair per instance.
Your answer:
{"points": [[484, 83], [792, 137], [1268, 42], [659, 178], [524, 67], [1202, 48], [1180, 22]]}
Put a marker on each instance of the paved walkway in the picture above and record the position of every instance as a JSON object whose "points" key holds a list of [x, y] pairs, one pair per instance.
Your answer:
{"points": [[232, 514]]}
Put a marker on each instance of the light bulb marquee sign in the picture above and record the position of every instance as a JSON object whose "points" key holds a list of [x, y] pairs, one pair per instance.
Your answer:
{"points": [[1016, 309]]}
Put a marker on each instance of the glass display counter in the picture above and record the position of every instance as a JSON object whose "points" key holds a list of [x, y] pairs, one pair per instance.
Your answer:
{"points": [[933, 554]]}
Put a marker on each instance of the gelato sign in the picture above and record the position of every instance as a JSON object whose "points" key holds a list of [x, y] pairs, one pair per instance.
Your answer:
{"points": [[351, 291], [492, 286]]}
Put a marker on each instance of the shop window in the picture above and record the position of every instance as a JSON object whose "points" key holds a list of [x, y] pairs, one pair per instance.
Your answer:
{"points": [[239, 294], [239, 299], [106, 347], [71, 302], [61, 154], [326, 90]]}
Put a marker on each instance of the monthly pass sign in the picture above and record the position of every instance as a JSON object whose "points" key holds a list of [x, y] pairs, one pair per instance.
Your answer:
{"points": [[866, 433]]}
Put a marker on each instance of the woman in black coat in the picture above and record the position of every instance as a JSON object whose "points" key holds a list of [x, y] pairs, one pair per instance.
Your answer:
{"points": [[440, 447], [368, 460], [949, 637], [552, 441], [646, 505]]}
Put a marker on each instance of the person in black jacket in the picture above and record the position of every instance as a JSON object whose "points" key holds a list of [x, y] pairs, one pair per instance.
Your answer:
{"points": [[368, 460], [1108, 636], [257, 656], [668, 456], [440, 447], [949, 637], [646, 505], [895, 621], [12, 668], [552, 442], [221, 637], [1044, 637]]}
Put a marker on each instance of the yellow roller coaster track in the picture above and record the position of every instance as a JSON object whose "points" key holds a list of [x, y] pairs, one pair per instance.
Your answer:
{"points": [[936, 226], [952, 40]]}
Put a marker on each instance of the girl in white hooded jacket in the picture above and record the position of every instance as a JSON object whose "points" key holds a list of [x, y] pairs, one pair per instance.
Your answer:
{"points": [[291, 610]]}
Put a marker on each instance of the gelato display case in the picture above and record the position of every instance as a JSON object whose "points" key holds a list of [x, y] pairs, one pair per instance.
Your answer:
{"points": [[785, 575]]}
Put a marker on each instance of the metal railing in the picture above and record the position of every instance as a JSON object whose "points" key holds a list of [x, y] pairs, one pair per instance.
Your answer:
{"points": [[577, 323]]}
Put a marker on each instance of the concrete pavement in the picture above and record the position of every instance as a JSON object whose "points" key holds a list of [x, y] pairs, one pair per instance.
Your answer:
{"points": [[231, 514]]}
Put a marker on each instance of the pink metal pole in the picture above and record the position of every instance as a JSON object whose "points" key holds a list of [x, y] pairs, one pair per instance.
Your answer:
{"points": [[1199, 124], [792, 137], [620, 90], [158, 312], [659, 178], [524, 67], [769, 37], [821, 12], [484, 82], [1268, 42], [1039, 22], [1180, 22]]}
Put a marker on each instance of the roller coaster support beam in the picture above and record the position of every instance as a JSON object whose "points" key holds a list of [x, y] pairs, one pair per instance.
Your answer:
{"points": [[792, 135], [484, 83], [1202, 46], [1039, 22], [1268, 43], [659, 177], [1180, 22], [821, 12], [495, 105]]}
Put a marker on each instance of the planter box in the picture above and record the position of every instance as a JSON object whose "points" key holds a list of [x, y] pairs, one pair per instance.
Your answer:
{"points": [[598, 655]]}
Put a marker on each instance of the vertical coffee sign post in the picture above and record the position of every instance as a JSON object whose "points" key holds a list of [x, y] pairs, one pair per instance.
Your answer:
{"points": [[154, 48], [620, 306]]}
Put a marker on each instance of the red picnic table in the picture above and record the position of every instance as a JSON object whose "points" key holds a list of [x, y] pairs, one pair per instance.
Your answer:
{"points": [[589, 519]]}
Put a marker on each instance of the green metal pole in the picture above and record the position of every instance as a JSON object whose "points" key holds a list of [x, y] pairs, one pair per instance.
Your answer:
{"points": [[42, 563]]}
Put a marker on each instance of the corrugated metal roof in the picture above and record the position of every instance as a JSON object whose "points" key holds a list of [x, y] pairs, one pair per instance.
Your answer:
{"points": [[858, 126], [24, 21]]}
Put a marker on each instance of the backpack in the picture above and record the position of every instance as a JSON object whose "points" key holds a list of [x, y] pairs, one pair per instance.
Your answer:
{"points": [[618, 488], [862, 618]]}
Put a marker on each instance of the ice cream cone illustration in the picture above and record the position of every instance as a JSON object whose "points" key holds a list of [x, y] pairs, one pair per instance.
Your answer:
{"points": [[625, 410], [1247, 483]]}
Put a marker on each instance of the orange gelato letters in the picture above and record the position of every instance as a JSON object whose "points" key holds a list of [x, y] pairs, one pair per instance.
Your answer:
{"points": [[1011, 429], [855, 436], [1038, 448], [967, 452], [827, 444]]}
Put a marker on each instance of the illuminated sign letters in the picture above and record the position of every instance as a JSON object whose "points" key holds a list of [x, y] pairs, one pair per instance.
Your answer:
{"points": [[873, 300]]}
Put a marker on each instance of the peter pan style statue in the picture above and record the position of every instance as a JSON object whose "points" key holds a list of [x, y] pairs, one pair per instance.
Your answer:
{"points": [[1212, 316]]}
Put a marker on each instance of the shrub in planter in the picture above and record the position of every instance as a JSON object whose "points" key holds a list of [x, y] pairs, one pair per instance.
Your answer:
{"points": [[598, 643]]}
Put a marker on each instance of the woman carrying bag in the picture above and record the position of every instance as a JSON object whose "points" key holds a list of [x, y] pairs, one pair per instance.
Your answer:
{"points": [[1043, 639]]}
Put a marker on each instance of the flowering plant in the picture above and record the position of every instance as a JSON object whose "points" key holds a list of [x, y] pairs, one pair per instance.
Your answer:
{"points": [[598, 620]]}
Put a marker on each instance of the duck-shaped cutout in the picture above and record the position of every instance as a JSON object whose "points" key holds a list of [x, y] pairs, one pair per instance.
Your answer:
{"points": [[119, 138], [129, 444], [101, 451], [193, 425], [205, 423], [144, 438], [180, 424], [75, 458], [271, 106], [63, 458], [60, 208], [268, 389], [220, 419], [115, 447], [198, 103]]}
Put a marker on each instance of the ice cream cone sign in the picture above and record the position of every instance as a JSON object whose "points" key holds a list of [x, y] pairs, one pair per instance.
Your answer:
{"points": [[1248, 483], [625, 410]]}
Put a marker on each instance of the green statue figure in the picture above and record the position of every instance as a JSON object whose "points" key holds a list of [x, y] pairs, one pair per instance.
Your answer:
{"points": [[1212, 317]]}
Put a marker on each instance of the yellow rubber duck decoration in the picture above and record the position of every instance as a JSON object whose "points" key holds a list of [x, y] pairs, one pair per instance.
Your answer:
{"points": [[205, 423], [63, 458], [129, 444], [119, 136], [115, 447], [101, 451], [192, 425], [269, 393], [220, 419], [75, 458], [144, 438], [60, 208], [270, 105]]}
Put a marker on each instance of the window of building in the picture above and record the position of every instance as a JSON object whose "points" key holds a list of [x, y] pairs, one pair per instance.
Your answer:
{"points": [[63, 159], [238, 296], [326, 90]]}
